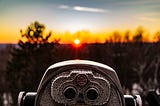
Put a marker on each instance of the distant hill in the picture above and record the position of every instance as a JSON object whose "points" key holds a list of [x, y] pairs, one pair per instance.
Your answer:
{"points": [[4, 45]]}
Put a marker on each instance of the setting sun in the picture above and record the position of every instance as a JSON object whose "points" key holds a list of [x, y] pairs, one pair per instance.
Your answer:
{"points": [[77, 41]]}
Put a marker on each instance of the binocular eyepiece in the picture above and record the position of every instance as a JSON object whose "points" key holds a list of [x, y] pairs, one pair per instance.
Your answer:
{"points": [[70, 93], [77, 83], [92, 94]]}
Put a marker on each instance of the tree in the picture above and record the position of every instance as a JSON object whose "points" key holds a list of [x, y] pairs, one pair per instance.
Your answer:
{"points": [[4, 57], [138, 37], [30, 59], [127, 36], [146, 62], [116, 37], [34, 34], [157, 36]]}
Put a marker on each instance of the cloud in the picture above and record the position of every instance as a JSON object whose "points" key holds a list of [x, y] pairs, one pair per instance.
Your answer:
{"points": [[64, 7], [88, 9], [137, 2], [152, 14], [150, 17], [83, 9]]}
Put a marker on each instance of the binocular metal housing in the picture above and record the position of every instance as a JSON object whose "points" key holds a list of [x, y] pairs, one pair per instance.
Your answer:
{"points": [[78, 83]]}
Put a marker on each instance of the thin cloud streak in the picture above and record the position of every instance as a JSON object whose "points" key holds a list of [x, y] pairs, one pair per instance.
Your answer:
{"points": [[64, 7], [88, 9], [137, 2], [83, 9], [152, 14], [150, 17]]}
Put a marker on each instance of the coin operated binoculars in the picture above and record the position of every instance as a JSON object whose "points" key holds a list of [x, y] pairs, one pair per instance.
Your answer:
{"points": [[78, 83]]}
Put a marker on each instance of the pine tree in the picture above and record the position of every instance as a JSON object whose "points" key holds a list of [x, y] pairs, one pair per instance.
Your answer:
{"points": [[30, 59]]}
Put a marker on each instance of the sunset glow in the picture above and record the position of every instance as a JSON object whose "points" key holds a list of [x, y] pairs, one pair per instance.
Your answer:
{"points": [[91, 20]]}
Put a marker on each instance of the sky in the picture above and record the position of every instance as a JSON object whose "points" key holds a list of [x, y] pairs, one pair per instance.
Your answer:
{"points": [[69, 16]]}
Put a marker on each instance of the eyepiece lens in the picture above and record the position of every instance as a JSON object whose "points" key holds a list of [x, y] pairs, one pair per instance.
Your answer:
{"points": [[70, 93], [92, 94]]}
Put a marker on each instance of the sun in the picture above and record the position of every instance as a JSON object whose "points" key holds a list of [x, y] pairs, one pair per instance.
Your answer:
{"points": [[77, 41]]}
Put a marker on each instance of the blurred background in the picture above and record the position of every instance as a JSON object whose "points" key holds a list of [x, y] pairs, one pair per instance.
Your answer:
{"points": [[35, 34]]}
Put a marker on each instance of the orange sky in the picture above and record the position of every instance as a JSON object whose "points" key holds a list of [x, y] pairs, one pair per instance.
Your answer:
{"points": [[84, 36], [101, 37]]}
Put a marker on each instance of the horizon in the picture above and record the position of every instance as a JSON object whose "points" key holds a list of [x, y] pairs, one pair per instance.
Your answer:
{"points": [[99, 18], [87, 37]]}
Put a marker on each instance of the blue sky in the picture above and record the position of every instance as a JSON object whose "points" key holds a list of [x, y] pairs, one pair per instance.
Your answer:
{"points": [[73, 15]]}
